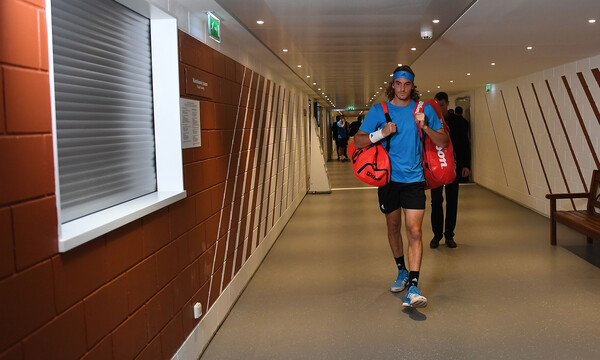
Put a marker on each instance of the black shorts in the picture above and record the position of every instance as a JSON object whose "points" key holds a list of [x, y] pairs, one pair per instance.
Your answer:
{"points": [[395, 195], [341, 142]]}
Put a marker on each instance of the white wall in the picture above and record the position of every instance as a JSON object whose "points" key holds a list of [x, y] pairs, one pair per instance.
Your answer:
{"points": [[496, 151]]}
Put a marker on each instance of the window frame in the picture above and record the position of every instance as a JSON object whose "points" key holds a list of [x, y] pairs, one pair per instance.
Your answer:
{"points": [[167, 133]]}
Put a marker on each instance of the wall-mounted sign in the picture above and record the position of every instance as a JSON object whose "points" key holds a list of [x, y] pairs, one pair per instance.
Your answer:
{"points": [[198, 83], [488, 87], [214, 27], [190, 123]]}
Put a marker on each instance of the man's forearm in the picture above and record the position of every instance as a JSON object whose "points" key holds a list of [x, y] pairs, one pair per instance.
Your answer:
{"points": [[440, 138], [361, 139]]}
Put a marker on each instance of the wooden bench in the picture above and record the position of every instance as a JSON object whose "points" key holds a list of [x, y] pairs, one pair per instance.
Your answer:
{"points": [[586, 221]]}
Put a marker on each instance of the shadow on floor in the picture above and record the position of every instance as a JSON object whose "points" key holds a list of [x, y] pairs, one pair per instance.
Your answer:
{"points": [[588, 252]]}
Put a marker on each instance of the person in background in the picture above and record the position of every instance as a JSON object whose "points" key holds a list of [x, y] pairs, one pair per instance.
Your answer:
{"points": [[341, 137], [355, 125], [462, 153], [405, 193], [459, 112]]}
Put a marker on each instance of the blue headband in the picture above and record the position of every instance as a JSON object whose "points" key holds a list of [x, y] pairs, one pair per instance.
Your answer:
{"points": [[404, 75]]}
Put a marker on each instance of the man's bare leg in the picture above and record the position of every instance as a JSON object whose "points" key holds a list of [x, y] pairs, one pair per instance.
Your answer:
{"points": [[414, 220]]}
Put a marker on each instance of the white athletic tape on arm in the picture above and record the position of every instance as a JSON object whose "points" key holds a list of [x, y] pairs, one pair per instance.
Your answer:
{"points": [[376, 136]]}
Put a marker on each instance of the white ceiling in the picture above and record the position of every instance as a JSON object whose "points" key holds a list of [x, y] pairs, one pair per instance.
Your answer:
{"points": [[350, 47]]}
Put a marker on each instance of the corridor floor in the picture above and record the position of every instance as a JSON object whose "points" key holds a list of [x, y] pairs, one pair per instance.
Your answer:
{"points": [[323, 290]]}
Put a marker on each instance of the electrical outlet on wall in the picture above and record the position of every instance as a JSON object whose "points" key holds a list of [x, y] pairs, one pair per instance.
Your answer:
{"points": [[197, 310]]}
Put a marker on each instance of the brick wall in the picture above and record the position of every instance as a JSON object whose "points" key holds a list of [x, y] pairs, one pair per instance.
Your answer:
{"points": [[129, 294]]}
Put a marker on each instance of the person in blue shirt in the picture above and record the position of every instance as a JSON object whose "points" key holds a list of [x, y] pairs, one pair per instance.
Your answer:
{"points": [[406, 191], [341, 139]]}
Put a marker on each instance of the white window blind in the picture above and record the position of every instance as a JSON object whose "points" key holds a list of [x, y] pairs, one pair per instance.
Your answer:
{"points": [[104, 105]]}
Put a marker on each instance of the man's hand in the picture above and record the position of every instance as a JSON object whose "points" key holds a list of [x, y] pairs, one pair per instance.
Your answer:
{"points": [[388, 129], [420, 119]]}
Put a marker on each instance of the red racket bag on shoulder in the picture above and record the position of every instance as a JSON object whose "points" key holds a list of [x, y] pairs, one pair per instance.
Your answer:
{"points": [[371, 164], [439, 164]]}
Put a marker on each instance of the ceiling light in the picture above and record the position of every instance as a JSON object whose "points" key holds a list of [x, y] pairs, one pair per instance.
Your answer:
{"points": [[285, 50], [385, 82], [435, 21], [493, 64], [439, 86], [399, 64], [319, 89], [260, 22], [591, 21], [314, 83], [307, 76], [468, 74], [428, 90], [391, 75], [299, 65], [413, 49], [451, 81], [529, 47], [380, 88]]}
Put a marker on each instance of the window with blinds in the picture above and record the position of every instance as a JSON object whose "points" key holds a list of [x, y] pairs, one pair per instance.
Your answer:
{"points": [[103, 105]]}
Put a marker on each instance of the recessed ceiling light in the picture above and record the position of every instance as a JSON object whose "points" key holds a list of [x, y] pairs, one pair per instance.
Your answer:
{"points": [[399, 64], [468, 74], [260, 22], [285, 50], [385, 82], [428, 90], [319, 89], [307, 76], [451, 81], [493, 64], [413, 49], [439, 86], [529, 47], [314, 83], [435, 21], [380, 88], [299, 65], [391, 75], [591, 21]]}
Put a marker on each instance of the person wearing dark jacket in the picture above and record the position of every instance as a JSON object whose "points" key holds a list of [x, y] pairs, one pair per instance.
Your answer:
{"points": [[462, 152], [355, 125]]}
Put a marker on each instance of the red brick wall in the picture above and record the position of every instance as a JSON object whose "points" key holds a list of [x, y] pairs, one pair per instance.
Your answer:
{"points": [[129, 294]]}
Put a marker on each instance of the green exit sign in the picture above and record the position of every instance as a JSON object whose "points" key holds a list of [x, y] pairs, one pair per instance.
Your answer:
{"points": [[214, 27], [350, 108], [488, 87]]}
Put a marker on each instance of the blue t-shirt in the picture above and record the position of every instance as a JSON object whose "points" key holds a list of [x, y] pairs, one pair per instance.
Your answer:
{"points": [[405, 145], [341, 130]]}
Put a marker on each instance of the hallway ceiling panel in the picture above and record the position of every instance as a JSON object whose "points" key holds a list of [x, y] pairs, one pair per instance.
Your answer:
{"points": [[350, 47]]}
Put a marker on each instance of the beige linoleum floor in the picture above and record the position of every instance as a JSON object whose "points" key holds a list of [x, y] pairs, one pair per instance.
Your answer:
{"points": [[504, 293]]}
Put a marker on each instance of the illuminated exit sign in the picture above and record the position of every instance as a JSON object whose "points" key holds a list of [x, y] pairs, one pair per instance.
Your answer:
{"points": [[214, 27]]}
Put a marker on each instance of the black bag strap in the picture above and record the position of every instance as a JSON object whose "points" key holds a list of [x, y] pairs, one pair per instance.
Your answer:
{"points": [[388, 119]]}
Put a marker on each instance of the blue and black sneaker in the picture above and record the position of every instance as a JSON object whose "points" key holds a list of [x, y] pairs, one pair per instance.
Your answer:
{"points": [[414, 298], [401, 282]]}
